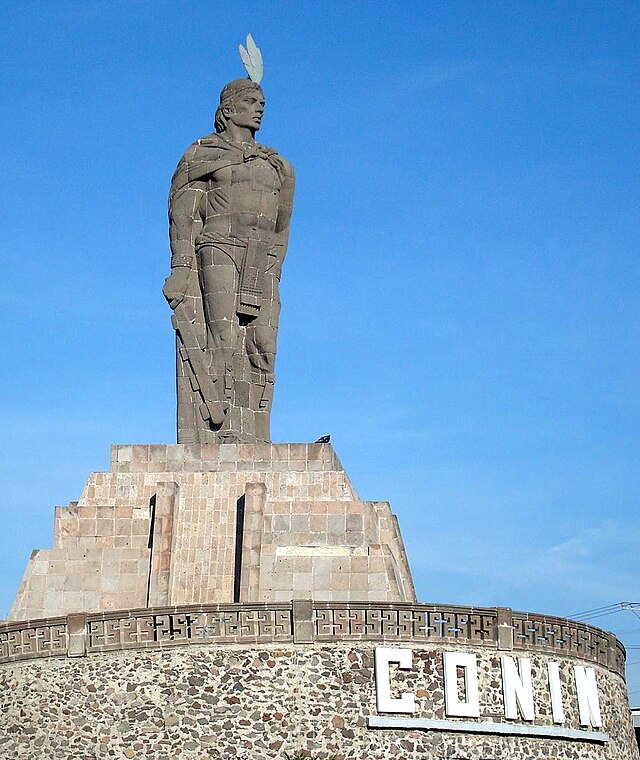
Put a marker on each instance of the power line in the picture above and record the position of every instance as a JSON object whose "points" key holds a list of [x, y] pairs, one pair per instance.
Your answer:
{"points": [[609, 609], [596, 610]]}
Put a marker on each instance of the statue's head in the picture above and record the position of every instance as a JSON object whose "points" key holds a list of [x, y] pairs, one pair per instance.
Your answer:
{"points": [[241, 101]]}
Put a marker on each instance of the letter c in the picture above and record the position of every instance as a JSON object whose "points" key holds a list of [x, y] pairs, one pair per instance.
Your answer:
{"points": [[385, 702]]}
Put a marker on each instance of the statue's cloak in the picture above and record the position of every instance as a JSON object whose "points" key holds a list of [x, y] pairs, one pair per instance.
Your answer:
{"points": [[211, 153]]}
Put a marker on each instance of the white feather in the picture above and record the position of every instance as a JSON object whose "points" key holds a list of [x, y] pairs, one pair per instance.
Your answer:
{"points": [[252, 60]]}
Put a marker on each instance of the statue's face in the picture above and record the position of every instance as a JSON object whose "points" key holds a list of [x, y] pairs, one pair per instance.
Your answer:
{"points": [[247, 110]]}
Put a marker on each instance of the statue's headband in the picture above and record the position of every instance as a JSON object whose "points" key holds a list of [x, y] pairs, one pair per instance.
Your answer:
{"points": [[234, 88], [252, 60]]}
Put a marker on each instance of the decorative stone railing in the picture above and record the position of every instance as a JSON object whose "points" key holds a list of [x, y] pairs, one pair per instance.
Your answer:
{"points": [[306, 622]]}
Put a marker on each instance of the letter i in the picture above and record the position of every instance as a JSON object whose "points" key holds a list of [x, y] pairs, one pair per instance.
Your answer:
{"points": [[557, 708]]}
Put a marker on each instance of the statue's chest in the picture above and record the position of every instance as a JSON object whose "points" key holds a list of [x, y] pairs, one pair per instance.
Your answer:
{"points": [[257, 174]]}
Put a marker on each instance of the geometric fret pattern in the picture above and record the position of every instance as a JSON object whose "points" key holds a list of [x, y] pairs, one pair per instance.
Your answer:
{"points": [[315, 622]]}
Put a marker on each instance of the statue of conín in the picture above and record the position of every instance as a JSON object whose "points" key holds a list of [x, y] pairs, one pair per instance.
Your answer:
{"points": [[229, 211]]}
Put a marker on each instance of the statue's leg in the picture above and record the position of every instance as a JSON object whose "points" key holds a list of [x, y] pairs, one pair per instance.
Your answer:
{"points": [[262, 336], [262, 333], [219, 283]]}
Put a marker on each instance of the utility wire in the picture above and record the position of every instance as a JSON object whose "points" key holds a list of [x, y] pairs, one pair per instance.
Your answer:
{"points": [[598, 610], [608, 609]]}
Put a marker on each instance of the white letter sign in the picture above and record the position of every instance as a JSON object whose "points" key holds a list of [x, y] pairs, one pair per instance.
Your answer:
{"points": [[517, 688], [385, 702], [588, 702], [557, 708], [470, 707]]}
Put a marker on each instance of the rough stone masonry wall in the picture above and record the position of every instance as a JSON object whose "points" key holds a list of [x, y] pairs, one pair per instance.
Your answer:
{"points": [[259, 701]]}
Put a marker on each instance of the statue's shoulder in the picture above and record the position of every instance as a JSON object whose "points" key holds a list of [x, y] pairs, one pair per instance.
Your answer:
{"points": [[197, 162], [206, 148], [287, 166]]}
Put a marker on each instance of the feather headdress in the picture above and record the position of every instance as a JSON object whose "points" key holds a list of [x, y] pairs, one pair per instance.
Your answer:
{"points": [[252, 59]]}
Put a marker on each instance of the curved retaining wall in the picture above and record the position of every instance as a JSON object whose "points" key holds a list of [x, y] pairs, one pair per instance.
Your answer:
{"points": [[259, 680]]}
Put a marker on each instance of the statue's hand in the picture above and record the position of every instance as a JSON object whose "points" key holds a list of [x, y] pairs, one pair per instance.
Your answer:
{"points": [[175, 286]]}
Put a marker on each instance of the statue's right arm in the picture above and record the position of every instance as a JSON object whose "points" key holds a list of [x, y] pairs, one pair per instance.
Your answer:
{"points": [[185, 222]]}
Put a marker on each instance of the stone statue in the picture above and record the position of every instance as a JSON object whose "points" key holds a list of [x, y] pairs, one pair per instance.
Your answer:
{"points": [[229, 211]]}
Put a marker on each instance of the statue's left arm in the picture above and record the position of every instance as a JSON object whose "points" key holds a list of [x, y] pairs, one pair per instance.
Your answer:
{"points": [[285, 207]]}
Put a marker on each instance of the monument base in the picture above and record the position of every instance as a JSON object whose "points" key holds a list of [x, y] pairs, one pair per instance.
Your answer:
{"points": [[216, 523], [330, 679]]}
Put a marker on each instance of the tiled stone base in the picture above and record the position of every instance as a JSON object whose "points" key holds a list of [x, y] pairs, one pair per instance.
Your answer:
{"points": [[186, 524]]}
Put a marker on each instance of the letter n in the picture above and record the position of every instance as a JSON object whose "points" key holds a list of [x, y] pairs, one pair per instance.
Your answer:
{"points": [[588, 701], [517, 688]]}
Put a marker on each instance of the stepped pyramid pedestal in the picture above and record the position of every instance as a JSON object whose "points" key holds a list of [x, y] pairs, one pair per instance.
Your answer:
{"points": [[216, 523]]}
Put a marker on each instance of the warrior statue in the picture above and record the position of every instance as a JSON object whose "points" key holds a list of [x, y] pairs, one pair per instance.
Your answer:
{"points": [[229, 211]]}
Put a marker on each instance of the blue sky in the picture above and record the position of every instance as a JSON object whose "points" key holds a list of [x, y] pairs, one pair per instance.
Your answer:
{"points": [[461, 305]]}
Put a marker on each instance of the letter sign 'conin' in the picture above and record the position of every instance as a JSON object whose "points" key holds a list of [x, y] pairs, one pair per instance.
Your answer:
{"points": [[517, 688], [555, 692], [588, 702], [385, 702], [468, 663]]}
